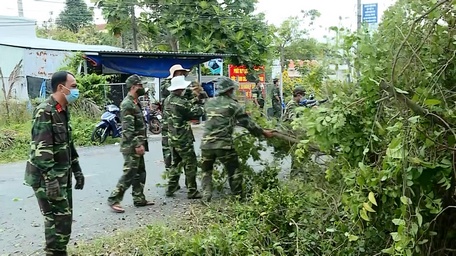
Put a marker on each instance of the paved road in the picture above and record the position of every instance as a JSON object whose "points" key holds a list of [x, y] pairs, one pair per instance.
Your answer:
{"points": [[21, 224]]}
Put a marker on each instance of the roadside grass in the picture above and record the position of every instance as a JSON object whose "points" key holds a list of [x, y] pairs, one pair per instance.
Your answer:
{"points": [[15, 129], [294, 218]]}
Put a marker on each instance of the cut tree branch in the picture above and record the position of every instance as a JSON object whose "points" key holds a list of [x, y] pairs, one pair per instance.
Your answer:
{"points": [[415, 107]]}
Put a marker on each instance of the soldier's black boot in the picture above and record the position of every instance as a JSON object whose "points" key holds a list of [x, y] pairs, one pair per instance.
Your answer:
{"points": [[194, 195]]}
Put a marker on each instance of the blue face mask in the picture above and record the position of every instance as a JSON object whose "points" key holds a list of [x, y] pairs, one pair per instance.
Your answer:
{"points": [[73, 96]]}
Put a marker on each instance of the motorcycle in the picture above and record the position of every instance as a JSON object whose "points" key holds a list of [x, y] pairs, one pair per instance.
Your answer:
{"points": [[109, 125], [311, 102], [153, 120]]}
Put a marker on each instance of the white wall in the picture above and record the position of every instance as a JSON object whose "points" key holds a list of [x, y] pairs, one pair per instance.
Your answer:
{"points": [[43, 63], [10, 57]]}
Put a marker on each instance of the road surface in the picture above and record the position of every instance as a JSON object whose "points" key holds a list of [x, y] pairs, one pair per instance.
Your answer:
{"points": [[21, 223]]}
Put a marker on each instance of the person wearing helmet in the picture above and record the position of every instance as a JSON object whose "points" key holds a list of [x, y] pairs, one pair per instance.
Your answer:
{"points": [[291, 114], [290, 110], [223, 113]]}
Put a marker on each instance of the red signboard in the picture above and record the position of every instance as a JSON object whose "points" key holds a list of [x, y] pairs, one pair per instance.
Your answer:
{"points": [[238, 73]]}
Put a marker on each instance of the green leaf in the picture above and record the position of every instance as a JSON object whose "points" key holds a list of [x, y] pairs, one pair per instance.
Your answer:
{"points": [[395, 236], [389, 250], [371, 198], [363, 214], [398, 222], [419, 218], [405, 200], [432, 102], [368, 207]]}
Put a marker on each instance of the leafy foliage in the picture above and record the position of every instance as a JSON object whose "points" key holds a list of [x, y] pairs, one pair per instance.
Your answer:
{"points": [[85, 35], [196, 26], [75, 16]]}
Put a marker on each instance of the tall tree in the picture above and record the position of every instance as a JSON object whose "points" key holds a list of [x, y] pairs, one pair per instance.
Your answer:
{"points": [[209, 26], [292, 33], [75, 16]]}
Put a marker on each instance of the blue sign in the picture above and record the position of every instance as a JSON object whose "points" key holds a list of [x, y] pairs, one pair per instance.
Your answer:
{"points": [[215, 66], [370, 13]]}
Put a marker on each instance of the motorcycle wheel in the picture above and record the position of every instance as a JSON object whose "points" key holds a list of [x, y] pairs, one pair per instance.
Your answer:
{"points": [[155, 126], [100, 134]]}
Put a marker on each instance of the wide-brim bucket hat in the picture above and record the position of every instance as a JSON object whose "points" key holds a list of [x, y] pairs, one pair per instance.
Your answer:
{"points": [[178, 83], [175, 68]]}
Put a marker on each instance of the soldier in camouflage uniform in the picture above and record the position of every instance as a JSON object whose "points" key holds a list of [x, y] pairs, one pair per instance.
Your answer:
{"points": [[133, 145], [223, 112], [288, 117], [175, 70], [52, 162], [276, 100], [179, 111], [290, 110], [257, 94]]}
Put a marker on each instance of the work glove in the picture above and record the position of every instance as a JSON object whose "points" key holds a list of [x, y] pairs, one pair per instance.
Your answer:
{"points": [[52, 189], [79, 177]]}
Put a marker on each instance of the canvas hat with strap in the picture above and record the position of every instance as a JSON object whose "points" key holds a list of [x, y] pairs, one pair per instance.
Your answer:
{"points": [[178, 83], [134, 80], [175, 68]]}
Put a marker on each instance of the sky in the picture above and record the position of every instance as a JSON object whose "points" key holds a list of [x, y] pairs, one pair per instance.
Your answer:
{"points": [[276, 11]]}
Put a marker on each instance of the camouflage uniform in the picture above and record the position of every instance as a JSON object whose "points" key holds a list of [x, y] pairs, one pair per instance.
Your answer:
{"points": [[223, 112], [134, 134], [276, 104], [53, 157], [257, 94], [179, 111], [165, 145], [290, 111], [166, 150], [288, 117]]}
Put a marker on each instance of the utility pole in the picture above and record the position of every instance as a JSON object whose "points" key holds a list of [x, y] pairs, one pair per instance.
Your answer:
{"points": [[134, 27], [20, 8], [359, 13], [282, 63], [358, 27]]}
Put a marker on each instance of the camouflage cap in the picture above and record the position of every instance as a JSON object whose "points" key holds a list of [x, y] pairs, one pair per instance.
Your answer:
{"points": [[132, 80], [224, 84], [299, 90]]}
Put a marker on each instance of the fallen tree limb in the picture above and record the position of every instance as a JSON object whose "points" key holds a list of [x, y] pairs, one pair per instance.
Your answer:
{"points": [[287, 137], [415, 107]]}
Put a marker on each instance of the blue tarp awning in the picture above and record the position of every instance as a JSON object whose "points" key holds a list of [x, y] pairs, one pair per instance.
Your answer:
{"points": [[148, 64]]}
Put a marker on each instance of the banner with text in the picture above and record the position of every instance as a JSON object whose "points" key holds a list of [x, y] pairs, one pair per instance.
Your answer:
{"points": [[239, 74]]}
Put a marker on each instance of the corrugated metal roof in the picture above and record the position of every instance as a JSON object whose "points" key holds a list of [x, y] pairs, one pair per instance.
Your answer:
{"points": [[48, 44], [159, 53]]}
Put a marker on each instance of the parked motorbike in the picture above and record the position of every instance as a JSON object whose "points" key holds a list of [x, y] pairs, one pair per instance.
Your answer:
{"points": [[311, 102], [153, 120], [109, 125]]}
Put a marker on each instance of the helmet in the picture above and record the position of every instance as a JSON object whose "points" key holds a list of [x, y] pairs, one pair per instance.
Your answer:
{"points": [[299, 90], [224, 84]]}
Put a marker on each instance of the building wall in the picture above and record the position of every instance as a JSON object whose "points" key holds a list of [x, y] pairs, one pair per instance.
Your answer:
{"points": [[34, 63], [43, 63], [12, 56]]}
